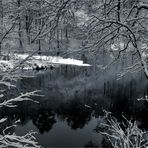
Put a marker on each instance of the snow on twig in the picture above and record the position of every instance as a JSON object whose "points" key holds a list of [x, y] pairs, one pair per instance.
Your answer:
{"points": [[22, 97], [130, 136], [3, 120], [12, 140], [143, 99]]}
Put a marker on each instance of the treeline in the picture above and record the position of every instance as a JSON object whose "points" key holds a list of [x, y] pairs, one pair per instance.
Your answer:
{"points": [[95, 25], [40, 23]]}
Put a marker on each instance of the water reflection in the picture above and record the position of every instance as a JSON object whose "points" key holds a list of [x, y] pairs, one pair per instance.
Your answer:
{"points": [[75, 113], [59, 123], [44, 120], [69, 112]]}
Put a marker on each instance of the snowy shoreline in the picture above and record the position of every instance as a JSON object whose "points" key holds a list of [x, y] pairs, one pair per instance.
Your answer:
{"points": [[40, 60]]}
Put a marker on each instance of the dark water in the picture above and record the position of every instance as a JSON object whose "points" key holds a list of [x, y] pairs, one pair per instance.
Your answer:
{"points": [[73, 105]]}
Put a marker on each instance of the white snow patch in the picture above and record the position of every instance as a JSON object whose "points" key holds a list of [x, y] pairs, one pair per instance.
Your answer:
{"points": [[39, 60], [3, 120], [52, 60], [82, 17], [5, 65], [117, 46]]}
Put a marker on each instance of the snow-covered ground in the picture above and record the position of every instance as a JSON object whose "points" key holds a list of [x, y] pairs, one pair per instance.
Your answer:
{"points": [[38, 60], [51, 59]]}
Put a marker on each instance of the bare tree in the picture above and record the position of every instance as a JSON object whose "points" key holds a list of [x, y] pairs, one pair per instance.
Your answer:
{"points": [[117, 23]]}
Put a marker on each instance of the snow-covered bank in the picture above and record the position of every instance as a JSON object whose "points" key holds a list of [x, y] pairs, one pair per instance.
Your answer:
{"points": [[52, 59], [39, 60]]}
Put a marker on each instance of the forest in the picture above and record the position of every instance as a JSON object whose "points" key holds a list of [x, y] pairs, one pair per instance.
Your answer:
{"points": [[73, 73]]}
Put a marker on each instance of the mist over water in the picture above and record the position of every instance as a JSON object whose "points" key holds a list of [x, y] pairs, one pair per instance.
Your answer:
{"points": [[73, 103]]}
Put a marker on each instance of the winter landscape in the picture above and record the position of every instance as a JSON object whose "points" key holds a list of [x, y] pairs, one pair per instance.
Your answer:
{"points": [[73, 73]]}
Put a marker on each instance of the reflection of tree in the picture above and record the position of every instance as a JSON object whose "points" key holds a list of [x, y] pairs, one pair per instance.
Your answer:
{"points": [[76, 114], [105, 143], [78, 118], [44, 120], [90, 144]]}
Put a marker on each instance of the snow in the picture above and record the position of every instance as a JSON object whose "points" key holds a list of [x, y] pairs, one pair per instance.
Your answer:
{"points": [[6, 65], [117, 46], [20, 98], [82, 17], [3, 120], [45, 61], [8, 139], [50, 59], [87, 106]]}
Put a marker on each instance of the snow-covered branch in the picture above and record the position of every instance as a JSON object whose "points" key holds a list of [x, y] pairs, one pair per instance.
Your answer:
{"points": [[22, 97], [130, 137], [12, 140]]}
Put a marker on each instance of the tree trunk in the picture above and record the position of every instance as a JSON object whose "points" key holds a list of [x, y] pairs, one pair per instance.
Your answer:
{"points": [[19, 27], [1, 24], [0, 48], [118, 9], [58, 42], [39, 47], [66, 33], [118, 12], [28, 27]]}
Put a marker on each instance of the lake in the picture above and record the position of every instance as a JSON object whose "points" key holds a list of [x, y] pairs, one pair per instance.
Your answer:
{"points": [[73, 104]]}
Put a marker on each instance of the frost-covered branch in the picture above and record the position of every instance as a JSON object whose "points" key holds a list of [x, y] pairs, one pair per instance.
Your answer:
{"points": [[143, 98], [12, 140], [130, 136], [22, 97]]}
